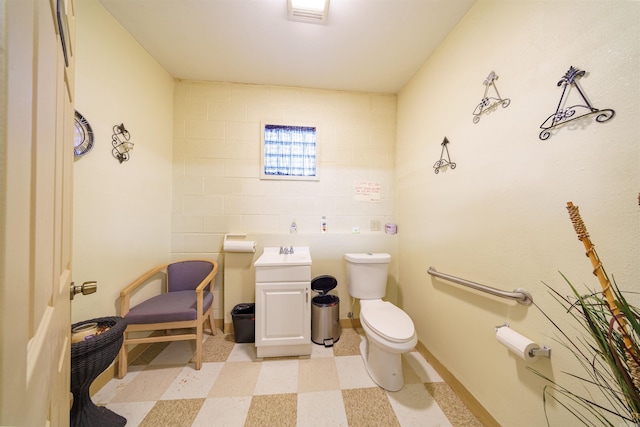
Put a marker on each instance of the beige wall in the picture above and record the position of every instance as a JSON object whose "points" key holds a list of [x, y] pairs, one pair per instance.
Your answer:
{"points": [[499, 218], [121, 211], [217, 188]]}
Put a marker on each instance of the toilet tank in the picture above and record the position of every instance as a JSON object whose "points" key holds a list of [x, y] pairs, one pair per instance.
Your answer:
{"points": [[367, 275]]}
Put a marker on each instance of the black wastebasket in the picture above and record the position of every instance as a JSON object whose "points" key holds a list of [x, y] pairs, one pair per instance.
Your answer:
{"points": [[325, 312], [244, 322]]}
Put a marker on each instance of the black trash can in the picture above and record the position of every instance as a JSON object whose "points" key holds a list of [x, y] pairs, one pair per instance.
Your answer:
{"points": [[244, 322], [325, 312]]}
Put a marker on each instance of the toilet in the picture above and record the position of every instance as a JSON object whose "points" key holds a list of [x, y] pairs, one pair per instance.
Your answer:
{"points": [[389, 331]]}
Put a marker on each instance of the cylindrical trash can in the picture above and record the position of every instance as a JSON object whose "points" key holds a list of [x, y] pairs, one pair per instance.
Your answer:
{"points": [[325, 312], [244, 322]]}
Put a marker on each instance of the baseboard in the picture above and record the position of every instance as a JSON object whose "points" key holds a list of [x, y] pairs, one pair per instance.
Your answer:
{"points": [[350, 323], [474, 406], [344, 323]]}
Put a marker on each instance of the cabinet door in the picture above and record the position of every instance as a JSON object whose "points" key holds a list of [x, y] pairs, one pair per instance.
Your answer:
{"points": [[283, 313]]}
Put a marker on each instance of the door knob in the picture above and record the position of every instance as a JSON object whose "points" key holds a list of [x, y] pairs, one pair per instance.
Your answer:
{"points": [[85, 289]]}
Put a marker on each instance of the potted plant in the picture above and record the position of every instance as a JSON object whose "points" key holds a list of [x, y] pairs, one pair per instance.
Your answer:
{"points": [[609, 350]]}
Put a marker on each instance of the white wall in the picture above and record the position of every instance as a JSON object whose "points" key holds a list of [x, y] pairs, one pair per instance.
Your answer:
{"points": [[499, 217], [121, 211], [217, 188]]}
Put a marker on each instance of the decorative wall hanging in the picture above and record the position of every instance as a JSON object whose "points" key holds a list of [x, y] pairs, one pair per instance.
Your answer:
{"points": [[567, 114], [121, 144], [83, 136], [443, 163], [489, 103]]}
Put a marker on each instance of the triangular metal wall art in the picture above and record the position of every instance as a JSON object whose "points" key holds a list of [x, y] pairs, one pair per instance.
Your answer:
{"points": [[567, 114], [443, 163], [489, 103]]}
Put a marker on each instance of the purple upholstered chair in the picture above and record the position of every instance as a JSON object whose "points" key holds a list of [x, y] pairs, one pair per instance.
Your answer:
{"points": [[186, 302]]}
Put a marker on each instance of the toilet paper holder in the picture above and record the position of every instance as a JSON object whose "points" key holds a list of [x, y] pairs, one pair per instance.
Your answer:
{"points": [[543, 351], [236, 243]]}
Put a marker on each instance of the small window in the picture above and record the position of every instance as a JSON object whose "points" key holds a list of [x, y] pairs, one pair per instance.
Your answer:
{"points": [[289, 152]]}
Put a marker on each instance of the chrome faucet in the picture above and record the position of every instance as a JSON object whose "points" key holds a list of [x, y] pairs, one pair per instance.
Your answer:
{"points": [[286, 251]]}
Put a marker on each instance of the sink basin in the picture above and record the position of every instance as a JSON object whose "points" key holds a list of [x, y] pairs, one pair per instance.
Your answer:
{"points": [[272, 266], [271, 257]]}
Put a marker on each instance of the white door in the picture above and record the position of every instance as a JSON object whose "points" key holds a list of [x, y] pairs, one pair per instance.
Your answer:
{"points": [[36, 171]]}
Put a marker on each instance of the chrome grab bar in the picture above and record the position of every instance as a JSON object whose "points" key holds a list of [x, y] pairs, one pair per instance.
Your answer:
{"points": [[520, 295]]}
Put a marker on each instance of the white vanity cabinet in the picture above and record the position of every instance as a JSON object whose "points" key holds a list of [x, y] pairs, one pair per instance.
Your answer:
{"points": [[283, 303]]}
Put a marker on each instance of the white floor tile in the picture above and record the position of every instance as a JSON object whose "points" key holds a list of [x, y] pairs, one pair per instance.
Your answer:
{"points": [[321, 351], [149, 385], [178, 352], [277, 377], [192, 384], [320, 409], [223, 411], [134, 412], [414, 406], [109, 391], [422, 368], [245, 352], [353, 373]]}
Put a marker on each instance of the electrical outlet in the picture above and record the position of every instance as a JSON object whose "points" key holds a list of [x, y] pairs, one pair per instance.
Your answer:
{"points": [[375, 225]]}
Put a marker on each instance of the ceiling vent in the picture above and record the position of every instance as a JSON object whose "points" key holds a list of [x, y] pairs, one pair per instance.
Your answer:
{"points": [[314, 11]]}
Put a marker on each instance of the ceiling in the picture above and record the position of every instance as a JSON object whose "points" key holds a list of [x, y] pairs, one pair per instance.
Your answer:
{"points": [[366, 45]]}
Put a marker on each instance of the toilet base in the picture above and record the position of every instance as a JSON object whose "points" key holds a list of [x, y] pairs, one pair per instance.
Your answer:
{"points": [[384, 368]]}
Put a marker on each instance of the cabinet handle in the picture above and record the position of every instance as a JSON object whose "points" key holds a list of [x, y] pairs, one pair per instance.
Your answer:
{"points": [[306, 293]]}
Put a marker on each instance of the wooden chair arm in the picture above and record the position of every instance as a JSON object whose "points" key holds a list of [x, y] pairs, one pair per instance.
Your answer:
{"points": [[140, 280], [125, 294]]}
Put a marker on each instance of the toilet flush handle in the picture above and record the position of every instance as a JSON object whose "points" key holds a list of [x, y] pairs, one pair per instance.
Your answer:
{"points": [[85, 289]]}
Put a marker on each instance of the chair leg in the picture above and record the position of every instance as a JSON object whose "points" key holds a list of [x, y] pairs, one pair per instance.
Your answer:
{"points": [[212, 323], [199, 328], [122, 358]]}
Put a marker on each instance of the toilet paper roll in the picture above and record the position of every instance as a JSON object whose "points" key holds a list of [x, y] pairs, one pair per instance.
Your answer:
{"points": [[516, 343], [239, 246]]}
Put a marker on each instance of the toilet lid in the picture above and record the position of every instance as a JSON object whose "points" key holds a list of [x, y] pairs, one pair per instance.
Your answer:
{"points": [[387, 320]]}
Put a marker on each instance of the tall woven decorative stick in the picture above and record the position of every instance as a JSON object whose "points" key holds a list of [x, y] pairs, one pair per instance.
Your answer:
{"points": [[598, 270]]}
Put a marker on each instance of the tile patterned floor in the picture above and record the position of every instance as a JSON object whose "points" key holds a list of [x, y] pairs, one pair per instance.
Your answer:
{"points": [[234, 388]]}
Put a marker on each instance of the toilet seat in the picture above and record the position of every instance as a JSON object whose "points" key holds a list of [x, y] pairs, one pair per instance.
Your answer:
{"points": [[387, 320]]}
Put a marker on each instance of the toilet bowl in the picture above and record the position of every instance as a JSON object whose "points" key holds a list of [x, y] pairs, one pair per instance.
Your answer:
{"points": [[389, 331]]}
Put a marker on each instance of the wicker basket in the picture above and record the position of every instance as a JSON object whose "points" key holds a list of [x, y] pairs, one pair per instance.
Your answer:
{"points": [[89, 359]]}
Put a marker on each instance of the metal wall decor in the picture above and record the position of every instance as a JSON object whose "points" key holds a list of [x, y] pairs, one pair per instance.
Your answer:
{"points": [[121, 144], [567, 114], [443, 163], [489, 103]]}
